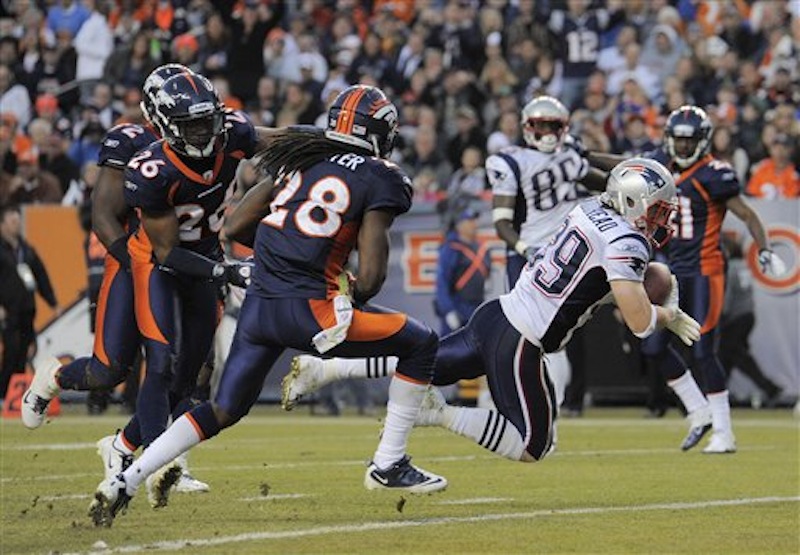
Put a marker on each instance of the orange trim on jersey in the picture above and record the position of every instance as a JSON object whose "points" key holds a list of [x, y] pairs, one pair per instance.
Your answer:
{"points": [[340, 251], [111, 270], [711, 261], [189, 172], [139, 247], [142, 266], [685, 174], [409, 379], [238, 154], [125, 441], [195, 425], [366, 326], [716, 295]]}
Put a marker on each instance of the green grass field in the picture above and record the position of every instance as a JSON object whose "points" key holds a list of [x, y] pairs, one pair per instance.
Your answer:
{"points": [[292, 483]]}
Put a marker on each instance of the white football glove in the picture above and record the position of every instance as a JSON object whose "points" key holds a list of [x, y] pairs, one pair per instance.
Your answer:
{"points": [[673, 299], [771, 264], [684, 326]]}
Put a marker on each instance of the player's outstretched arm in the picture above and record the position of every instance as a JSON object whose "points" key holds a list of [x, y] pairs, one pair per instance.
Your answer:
{"points": [[503, 215], [373, 254], [604, 161], [242, 222], [595, 180], [108, 211]]}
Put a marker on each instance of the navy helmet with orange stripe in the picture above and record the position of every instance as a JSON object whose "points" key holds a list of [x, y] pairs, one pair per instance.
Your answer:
{"points": [[364, 117], [688, 132], [151, 87], [191, 115]]}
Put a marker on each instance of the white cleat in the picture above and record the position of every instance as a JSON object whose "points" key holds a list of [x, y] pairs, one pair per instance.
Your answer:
{"points": [[431, 411], [110, 498], [189, 484], [304, 377], [160, 482], [114, 461], [721, 442], [42, 390]]}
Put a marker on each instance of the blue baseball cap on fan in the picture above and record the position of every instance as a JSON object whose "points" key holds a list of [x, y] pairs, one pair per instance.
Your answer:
{"points": [[468, 214]]}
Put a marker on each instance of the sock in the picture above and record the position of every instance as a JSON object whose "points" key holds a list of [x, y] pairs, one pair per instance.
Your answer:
{"points": [[688, 392], [180, 437], [132, 434], [560, 371], [405, 398], [121, 444], [337, 369], [488, 428], [720, 412]]}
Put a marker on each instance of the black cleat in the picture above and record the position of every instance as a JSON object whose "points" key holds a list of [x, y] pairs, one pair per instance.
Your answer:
{"points": [[110, 499], [404, 476]]}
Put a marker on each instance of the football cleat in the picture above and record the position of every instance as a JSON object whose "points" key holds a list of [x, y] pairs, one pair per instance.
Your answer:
{"points": [[160, 482], [699, 425], [721, 442], [189, 484], [110, 499], [42, 390], [304, 377], [403, 476], [114, 461], [431, 410]]}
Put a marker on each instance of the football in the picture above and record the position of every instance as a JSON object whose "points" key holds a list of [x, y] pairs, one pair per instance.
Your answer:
{"points": [[657, 282]]}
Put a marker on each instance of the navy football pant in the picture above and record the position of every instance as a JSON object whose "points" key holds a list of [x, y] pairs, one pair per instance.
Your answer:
{"points": [[268, 326], [701, 298], [520, 386], [116, 341]]}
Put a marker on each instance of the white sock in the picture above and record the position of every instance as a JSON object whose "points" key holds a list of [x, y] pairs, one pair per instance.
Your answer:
{"points": [[404, 401], [343, 368], [560, 372], [688, 392], [179, 437], [119, 445], [488, 428], [720, 412]]}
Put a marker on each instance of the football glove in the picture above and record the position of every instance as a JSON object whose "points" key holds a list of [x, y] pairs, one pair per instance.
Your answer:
{"points": [[529, 254], [673, 298], [771, 264], [452, 320], [684, 326], [238, 273], [575, 143]]}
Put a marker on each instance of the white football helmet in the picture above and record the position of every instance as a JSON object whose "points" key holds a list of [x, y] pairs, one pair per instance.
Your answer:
{"points": [[545, 122], [643, 192]]}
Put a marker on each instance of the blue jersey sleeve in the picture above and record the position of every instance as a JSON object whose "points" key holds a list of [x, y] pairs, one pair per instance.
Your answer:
{"points": [[722, 181], [148, 181], [242, 134], [390, 188], [122, 142]]}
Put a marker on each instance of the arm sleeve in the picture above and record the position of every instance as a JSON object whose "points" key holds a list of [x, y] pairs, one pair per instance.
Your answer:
{"points": [[242, 134], [43, 284], [626, 258], [503, 174], [725, 184], [119, 145], [151, 195]]}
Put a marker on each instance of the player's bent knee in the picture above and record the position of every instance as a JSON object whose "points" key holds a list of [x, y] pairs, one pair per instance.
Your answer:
{"points": [[527, 457]]}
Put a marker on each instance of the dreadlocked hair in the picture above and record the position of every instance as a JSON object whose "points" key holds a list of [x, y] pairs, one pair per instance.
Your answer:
{"points": [[298, 148]]}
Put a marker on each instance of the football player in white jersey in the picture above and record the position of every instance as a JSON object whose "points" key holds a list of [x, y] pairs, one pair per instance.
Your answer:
{"points": [[599, 256], [534, 187]]}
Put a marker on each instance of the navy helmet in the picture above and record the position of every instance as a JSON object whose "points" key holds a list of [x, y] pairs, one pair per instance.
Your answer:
{"points": [[151, 87], [364, 117], [688, 135]]}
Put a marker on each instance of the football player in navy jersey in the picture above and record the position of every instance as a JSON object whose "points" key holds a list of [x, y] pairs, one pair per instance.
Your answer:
{"points": [[599, 255], [117, 339], [336, 192], [707, 189]]}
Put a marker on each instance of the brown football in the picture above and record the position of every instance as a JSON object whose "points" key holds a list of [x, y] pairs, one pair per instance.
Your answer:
{"points": [[657, 282]]}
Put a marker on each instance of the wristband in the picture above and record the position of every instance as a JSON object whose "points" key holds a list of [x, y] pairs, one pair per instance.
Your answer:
{"points": [[520, 247], [648, 331], [502, 214]]}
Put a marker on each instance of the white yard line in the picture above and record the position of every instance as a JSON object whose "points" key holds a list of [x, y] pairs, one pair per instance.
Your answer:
{"points": [[476, 501], [276, 496], [178, 544]]}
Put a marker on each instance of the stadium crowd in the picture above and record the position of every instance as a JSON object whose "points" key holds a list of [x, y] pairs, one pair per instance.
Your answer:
{"points": [[459, 71]]}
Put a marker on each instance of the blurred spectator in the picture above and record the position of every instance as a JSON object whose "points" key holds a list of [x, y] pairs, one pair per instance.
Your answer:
{"points": [[370, 61], [776, 177], [22, 275], [549, 78], [53, 158], [213, 55], [265, 108], [101, 101], [185, 51], [634, 70], [67, 15], [662, 50], [470, 178], [94, 42], [130, 64], [468, 134], [458, 35], [635, 139], [296, 107], [426, 165], [508, 133], [612, 58], [32, 184], [86, 147], [14, 97], [724, 146]]}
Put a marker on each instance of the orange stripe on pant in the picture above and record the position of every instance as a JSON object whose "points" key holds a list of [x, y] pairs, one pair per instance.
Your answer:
{"points": [[112, 268], [716, 296], [141, 267], [366, 326]]}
